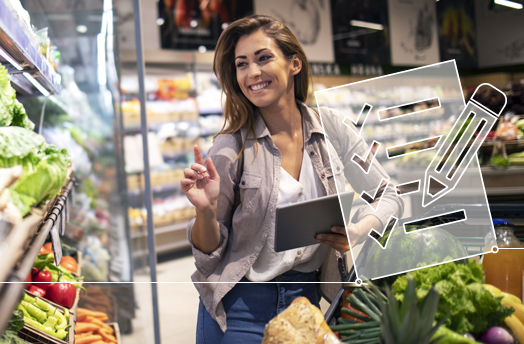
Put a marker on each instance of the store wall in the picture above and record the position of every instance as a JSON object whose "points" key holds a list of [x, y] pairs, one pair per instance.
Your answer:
{"points": [[126, 26], [500, 34]]}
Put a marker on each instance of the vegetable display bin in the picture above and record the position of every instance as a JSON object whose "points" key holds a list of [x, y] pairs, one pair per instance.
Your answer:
{"points": [[32, 335], [115, 327]]}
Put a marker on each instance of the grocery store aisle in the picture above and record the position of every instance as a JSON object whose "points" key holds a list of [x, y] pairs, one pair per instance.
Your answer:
{"points": [[178, 304]]}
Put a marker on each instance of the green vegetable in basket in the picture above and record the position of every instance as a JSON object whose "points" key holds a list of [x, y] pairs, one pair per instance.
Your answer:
{"points": [[53, 312], [499, 160], [61, 334], [520, 124], [516, 159], [34, 311], [473, 308]]}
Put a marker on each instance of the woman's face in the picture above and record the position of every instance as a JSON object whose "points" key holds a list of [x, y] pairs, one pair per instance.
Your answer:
{"points": [[264, 74]]}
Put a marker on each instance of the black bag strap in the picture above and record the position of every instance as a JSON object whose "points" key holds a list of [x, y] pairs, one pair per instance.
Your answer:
{"points": [[240, 170]]}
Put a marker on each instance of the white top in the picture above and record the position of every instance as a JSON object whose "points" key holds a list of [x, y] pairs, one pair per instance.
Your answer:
{"points": [[269, 263]]}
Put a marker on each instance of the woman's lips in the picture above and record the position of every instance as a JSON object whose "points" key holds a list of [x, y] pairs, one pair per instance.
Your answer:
{"points": [[259, 87]]}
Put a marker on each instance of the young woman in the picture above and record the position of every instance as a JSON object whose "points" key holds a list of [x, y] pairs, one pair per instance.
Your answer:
{"points": [[265, 77]]}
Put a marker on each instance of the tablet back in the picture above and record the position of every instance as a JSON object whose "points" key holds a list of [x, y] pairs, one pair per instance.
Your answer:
{"points": [[297, 224]]}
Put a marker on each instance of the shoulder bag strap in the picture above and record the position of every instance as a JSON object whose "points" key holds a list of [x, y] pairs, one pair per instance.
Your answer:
{"points": [[240, 170]]}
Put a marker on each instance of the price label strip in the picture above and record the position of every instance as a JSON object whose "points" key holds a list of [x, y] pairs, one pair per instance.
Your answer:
{"points": [[55, 240]]}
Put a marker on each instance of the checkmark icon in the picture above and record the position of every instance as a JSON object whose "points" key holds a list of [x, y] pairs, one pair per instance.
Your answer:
{"points": [[391, 224], [365, 163], [374, 201]]}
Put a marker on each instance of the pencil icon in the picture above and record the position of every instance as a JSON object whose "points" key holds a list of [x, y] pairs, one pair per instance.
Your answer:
{"points": [[459, 147]]}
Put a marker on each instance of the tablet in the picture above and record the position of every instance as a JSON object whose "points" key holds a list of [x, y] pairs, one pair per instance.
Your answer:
{"points": [[297, 224]]}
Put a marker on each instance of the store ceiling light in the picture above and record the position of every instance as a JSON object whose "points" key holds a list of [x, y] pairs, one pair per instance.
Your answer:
{"points": [[9, 59], [160, 21], [367, 25], [508, 3], [224, 25], [193, 23], [202, 49], [36, 84], [81, 29]]}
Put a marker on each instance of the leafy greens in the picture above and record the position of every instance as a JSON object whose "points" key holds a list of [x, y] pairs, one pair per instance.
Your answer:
{"points": [[10, 335], [12, 112], [44, 166], [473, 308]]}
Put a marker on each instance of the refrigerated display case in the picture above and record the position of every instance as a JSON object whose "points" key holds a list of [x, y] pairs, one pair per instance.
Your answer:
{"points": [[74, 100]]}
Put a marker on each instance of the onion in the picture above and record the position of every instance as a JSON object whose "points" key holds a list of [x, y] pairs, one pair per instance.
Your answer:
{"points": [[497, 335]]}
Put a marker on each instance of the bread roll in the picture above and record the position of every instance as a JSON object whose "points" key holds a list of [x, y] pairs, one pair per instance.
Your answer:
{"points": [[301, 322]]}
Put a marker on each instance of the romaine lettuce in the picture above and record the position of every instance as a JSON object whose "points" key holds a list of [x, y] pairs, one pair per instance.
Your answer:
{"points": [[45, 166]]}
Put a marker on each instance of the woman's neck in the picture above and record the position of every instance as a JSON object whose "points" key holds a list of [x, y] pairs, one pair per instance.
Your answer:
{"points": [[283, 118]]}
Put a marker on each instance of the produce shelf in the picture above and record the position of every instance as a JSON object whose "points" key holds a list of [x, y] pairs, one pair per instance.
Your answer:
{"points": [[39, 225], [32, 335], [16, 42], [160, 230]]}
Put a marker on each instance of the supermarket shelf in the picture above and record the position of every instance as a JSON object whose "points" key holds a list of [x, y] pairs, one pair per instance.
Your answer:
{"points": [[17, 44], [491, 143], [170, 247], [36, 233], [161, 230], [156, 188]]}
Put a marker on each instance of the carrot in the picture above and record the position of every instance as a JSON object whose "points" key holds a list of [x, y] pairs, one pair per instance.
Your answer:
{"points": [[83, 334], [81, 317], [98, 315], [88, 339], [107, 337], [85, 327], [106, 327]]}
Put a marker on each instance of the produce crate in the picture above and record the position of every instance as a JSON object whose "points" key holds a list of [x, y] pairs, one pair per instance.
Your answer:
{"points": [[32, 335], [115, 327]]}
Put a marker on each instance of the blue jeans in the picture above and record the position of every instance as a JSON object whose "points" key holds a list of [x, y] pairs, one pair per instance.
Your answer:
{"points": [[250, 306]]}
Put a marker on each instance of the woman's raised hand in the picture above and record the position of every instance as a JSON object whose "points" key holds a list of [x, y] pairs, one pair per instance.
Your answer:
{"points": [[201, 184]]}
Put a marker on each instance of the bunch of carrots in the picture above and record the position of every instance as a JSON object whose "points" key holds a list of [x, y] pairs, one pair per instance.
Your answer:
{"points": [[90, 328]]}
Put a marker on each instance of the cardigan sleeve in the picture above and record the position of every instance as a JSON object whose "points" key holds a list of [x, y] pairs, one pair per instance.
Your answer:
{"points": [[223, 153]]}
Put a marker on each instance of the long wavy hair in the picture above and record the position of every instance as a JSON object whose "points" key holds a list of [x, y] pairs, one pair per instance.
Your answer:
{"points": [[238, 110]]}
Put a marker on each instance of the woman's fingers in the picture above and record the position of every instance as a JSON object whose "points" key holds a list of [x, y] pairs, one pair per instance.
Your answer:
{"points": [[198, 168], [192, 174], [337, 241], [213, 174], [198, 155]]}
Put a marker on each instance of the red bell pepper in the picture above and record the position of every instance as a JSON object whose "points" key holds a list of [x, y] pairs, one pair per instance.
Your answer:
{"points": [[37, 291], [42, 278], [62, 293]]}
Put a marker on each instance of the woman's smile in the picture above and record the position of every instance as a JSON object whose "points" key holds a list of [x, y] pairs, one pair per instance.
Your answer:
{"points": [[259, 87]]}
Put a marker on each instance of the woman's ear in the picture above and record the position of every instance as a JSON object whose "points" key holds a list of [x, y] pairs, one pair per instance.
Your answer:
{"points": [[296, 65]]}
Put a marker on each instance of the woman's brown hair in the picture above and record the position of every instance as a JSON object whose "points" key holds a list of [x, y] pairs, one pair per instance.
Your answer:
{"points": [[238, 110]]}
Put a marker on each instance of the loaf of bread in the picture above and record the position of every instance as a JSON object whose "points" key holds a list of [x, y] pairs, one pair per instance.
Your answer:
{"points": [[301, 323]]}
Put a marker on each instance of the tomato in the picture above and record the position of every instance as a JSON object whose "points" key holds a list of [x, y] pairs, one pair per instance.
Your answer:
{"points": [[37, 291], [47, 248], [62, 293], [69, 263]]}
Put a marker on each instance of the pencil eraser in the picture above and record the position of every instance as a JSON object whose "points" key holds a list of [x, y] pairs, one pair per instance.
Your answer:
{"points": [[491, 98]]}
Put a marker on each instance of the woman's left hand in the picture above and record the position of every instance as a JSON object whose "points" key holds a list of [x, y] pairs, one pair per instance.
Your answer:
{"points": [[357, 234], [338, 240]]}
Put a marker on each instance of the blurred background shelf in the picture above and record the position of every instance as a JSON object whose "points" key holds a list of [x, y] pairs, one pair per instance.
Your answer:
{"points": [[32, 74]]}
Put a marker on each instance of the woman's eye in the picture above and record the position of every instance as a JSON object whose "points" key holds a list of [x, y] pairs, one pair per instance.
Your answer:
{"points": [[265, 57], [241, 64]]}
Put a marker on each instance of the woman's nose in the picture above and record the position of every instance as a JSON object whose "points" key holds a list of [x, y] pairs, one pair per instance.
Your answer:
{"points": [[254, 70]]}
